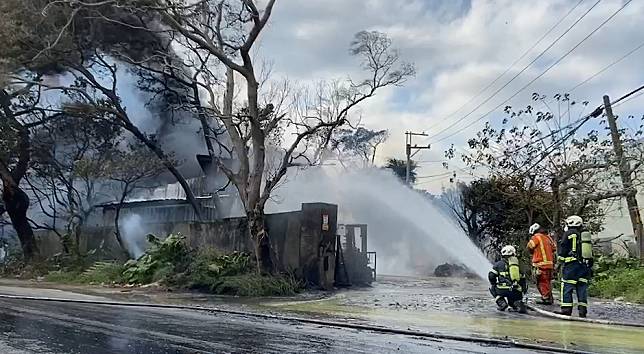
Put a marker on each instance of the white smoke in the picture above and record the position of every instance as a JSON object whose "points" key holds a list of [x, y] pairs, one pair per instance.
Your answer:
{"points": [[408, 232], [133, 235]]}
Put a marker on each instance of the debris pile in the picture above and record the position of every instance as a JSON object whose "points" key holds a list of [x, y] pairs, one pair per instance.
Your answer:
{"points": [[453, 270]]}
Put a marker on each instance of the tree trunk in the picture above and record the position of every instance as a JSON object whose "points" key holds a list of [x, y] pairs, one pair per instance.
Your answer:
{"points": [[259, 234], [117, 231], [556, 208], [16, 204]]}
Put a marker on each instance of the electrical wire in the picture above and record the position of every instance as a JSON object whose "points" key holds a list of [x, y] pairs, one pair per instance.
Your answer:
{"points": [[542, 73], [607, 67], [478, 94], [543, 52]]}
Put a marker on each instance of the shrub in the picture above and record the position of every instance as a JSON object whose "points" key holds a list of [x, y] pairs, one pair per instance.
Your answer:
{"points": [[618, 277], [160, 260], [257, 285], [171, 263]]}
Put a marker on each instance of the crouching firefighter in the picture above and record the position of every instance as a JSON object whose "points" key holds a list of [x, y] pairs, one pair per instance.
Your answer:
{"points": [[576, 255], [508, 283]]}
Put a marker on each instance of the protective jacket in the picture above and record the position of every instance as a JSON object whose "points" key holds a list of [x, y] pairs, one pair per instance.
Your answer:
{"points": [[506, 276], [575, 245], [542, 247]]}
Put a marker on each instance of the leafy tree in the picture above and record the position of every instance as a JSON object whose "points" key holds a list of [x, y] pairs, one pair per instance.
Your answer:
{"points": [[555, 153], [399, 168], [497, 211], [361, 143]]}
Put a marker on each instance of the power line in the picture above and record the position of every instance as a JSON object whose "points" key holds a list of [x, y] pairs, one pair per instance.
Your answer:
{"points": [[543, 52], [542, 73], [478, 94], [594, 114], [607, 67]]}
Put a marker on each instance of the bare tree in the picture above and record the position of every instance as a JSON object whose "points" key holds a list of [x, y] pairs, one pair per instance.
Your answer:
{"points": [[227, 31], [265, 133]]}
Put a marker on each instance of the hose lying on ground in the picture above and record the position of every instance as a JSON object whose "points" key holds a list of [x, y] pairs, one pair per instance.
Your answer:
{"points": [[578, 319], [485, 341]]}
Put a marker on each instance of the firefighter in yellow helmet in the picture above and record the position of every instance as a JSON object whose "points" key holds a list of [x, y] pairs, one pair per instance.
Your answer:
{"points": [[508, 284], [576, 254]]}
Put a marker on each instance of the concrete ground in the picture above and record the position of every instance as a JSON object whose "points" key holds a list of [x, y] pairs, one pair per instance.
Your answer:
{"points": [[43, 327], [450, 306]]}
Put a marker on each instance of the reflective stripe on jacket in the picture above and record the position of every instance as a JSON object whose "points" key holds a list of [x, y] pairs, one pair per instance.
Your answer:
{"points": [[543, 250]]}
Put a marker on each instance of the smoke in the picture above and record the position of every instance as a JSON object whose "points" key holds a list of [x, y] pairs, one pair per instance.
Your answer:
{"points": [[409, 233], [133, 236]]}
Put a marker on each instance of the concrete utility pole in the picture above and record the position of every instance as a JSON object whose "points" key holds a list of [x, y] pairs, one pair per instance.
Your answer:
{"points": [[625, 174], [409, 147]]}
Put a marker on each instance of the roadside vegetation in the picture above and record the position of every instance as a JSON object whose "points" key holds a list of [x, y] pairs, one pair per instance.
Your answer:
{"points": [[170, 263], [621, 278]]}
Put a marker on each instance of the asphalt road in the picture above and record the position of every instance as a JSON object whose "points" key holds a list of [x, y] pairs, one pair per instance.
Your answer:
{"points": [[40, 327]]}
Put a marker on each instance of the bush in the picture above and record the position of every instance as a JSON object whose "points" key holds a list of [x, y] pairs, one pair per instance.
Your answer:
{"points": [[257, 285], [98, 273], [618, 277], [170, 262], [160, 260]]}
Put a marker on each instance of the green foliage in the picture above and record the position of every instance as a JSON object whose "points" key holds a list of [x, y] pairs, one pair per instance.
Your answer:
{"points": [[160, 260], [399, 167], [257, 285], [171, 263], [605, 265], [618, 277], [98, 273]]}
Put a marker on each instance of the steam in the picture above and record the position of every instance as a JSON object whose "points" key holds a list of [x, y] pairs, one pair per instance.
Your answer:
{"points": [[133, 236], [409, 233]]}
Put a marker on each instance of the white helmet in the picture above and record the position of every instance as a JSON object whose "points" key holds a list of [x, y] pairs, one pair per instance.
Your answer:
{"points": [[534, 228], [574, 221], [508, 251]]}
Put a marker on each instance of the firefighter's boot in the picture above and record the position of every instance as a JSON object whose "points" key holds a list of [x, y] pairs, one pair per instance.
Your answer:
{"points": [[566, 311], [583, 311], [520, 306], [501, 304]]}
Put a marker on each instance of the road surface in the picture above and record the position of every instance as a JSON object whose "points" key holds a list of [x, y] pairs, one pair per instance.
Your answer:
{"points": [[41, 327]]}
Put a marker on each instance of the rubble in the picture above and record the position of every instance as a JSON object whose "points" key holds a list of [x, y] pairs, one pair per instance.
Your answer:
{"points": [[453, 270]]}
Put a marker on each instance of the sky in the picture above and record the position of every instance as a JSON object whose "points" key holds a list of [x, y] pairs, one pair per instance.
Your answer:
{"points": [[459, 47]]}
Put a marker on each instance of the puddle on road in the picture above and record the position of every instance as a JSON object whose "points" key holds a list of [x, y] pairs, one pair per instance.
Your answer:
{"points": [[572, 335]]}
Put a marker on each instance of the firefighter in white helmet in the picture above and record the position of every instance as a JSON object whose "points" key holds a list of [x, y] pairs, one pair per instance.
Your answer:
{"points": [[576, 254], [508, 284]]}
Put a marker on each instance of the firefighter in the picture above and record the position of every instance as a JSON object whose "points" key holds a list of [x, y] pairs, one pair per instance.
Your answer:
{"points": [[508, 283], [576, 256], [542, 248]]}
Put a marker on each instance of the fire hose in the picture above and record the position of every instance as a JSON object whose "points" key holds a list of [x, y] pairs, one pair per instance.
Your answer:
{"points": [[480, 340], [579, 319]]}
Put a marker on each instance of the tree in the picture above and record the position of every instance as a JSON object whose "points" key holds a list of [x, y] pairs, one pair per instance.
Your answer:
{"points": [[497, 211], [399, 168], [549, 151], [360, 142], [65, 177], [227, 31], [131, 169], [15, 155], [68, 37], [215, 37]]}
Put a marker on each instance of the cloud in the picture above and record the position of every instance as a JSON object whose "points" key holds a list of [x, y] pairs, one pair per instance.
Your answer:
{"points": [[458, 48]]}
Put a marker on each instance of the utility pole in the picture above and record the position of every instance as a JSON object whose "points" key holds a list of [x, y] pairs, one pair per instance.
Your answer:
{"points": [[625, 174], [409, 148]]}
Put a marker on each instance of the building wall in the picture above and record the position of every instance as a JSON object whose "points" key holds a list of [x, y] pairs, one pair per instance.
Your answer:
{"points": [[303, 241]]}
